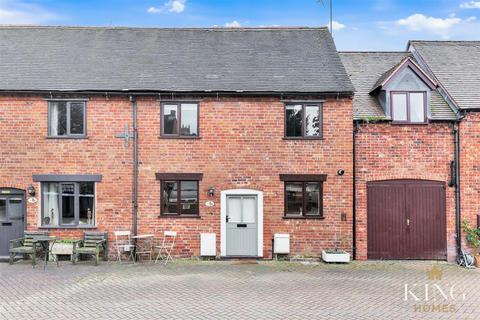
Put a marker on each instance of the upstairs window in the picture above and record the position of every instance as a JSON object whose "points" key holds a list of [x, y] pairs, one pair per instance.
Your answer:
{"points": [[409, 107], [303, 121], [67, 119], [179, 120]]}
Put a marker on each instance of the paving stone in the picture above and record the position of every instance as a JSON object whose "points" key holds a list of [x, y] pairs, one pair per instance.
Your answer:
{"points": [[225, 290]]}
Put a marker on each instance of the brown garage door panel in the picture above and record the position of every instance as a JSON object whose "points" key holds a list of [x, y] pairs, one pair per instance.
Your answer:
{"points": [[427, 231], [384, 237], [406, 219]]}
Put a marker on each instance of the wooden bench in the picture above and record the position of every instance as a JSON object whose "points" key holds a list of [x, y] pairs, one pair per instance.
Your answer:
{"points": [[93, 244], [26, 246]]}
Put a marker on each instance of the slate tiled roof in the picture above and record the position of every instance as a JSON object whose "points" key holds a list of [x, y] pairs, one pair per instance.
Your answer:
{"points": [[364, 69], [440, 110], [456, 65], [367, 70], [182, 60]]}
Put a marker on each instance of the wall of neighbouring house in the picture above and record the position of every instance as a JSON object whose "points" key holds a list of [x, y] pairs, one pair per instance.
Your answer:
{"points": [[387, 151], [469, 129], [242, 145], [26, 150]]}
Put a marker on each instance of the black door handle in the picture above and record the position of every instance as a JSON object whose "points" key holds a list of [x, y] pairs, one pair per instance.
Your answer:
{"points": [[6, 223], [226, 218]]}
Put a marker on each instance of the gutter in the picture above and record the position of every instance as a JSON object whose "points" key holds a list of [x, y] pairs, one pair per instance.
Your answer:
{"points": [[458, 212], [169, 93], [456, 141], [354, 202], [135, 164]]}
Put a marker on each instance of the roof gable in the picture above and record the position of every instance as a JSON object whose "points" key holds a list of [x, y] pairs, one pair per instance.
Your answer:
{"points": [[394, 72], [366, 68]]}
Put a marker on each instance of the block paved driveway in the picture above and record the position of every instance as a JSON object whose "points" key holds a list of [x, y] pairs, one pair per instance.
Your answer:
{"points": [[229, 290]]}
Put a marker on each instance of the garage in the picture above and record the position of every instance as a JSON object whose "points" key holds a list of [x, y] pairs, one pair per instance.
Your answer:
{"points": [[406, 220]]}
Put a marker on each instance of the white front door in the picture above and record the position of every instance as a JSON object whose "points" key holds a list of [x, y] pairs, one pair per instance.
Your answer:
{"points": [[241, 223]]}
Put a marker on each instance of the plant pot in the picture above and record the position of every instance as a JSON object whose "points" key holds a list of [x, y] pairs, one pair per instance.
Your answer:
{"points": [[336, 256], [62, 248]]}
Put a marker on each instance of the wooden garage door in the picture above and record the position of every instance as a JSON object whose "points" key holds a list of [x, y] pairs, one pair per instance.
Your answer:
{"points": [[406, 220]]}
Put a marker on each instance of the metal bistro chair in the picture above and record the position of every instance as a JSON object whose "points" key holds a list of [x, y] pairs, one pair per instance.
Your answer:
{"points": [[123, 244], [168, 243]]}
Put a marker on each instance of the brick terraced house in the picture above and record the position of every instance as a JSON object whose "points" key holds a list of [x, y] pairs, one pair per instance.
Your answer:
{"points": [[240, 133], [244, 133], [416, 143]]}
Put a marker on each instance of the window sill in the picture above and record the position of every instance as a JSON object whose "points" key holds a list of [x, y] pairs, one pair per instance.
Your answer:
{"points": [[304, 217], [67, 227], [409, 123], [67, 137], [176, 216], [179, 137], [302, 138]]}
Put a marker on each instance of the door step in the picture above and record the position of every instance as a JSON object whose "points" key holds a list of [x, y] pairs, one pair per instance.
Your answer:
{"points": [[4, 258]]}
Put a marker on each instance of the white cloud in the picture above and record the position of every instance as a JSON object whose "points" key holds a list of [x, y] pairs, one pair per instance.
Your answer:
{"points": [[176, 6], [470, 5], [233, 24], [470, 19], [18, 12], [337, 25], [154, 10], [419, 22]]}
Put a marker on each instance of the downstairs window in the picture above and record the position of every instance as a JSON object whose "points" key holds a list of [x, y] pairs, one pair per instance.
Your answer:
{"points": [[303, 195], [68, 204], [179, 198]]}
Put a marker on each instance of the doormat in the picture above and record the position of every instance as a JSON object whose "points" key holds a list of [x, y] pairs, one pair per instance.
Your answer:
{"points": [[240, 262]]}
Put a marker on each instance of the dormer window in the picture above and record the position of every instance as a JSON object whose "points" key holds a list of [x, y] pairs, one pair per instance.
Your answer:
{"points": [[409, 107]]}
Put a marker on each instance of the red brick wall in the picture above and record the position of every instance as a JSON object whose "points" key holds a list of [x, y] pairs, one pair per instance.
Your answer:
{"points": [[385, 151], [241, 146], [469, 129], [26, 150]]}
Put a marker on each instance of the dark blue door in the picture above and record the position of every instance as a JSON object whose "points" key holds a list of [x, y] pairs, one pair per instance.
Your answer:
{"points": [[12, 217]]}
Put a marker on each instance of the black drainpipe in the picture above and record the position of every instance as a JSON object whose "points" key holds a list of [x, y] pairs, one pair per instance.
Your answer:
{"points": [[354, 211], [135, 164], [456, 141]]}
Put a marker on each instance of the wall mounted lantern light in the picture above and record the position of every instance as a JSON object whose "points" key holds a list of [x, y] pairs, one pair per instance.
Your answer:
{"points": [[211, 191], [31, 191]]}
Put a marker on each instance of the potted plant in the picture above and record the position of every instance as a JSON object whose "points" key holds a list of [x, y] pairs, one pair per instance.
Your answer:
{"points": [[336, 255], [63, 247], [472, 235]]}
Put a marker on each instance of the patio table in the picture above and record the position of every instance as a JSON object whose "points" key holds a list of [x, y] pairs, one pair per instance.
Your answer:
{"points": [[47, 243], [144, 246]]}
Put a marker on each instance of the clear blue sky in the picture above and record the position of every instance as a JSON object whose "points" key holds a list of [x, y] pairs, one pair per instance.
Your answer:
{"points": [[359, 25]]}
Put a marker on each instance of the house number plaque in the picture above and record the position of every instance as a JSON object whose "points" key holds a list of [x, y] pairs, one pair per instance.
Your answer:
{"points": [[209, 203]]}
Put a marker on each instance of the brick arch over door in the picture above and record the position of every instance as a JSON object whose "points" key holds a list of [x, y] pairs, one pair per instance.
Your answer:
{"points": [[406, 219]]}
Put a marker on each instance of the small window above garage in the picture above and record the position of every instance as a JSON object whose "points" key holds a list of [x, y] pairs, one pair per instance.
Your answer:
{"points": [[405, 93]]}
